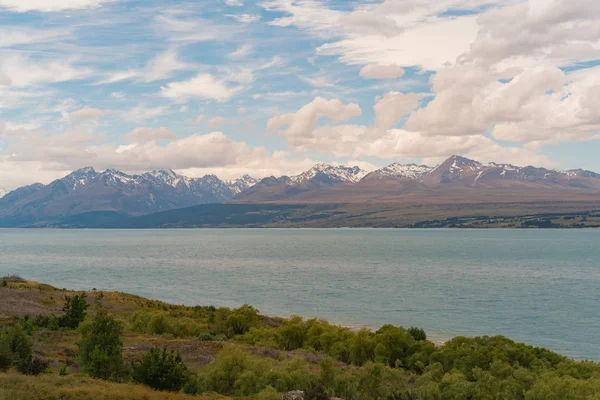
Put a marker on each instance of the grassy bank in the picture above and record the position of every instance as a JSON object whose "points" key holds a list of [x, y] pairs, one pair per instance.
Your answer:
{"points": [[241, 353]]}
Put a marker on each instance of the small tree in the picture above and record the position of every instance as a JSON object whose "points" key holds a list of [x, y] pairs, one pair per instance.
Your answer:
{"points": [[417, 333], [101, 347], [75, 310], [161, 370]]}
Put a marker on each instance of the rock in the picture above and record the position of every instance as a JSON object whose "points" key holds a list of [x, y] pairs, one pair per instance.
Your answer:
{"points": [[293, 395]]}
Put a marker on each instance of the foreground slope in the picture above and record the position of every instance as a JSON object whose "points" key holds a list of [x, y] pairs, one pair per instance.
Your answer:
{"points": [[243, 354]]}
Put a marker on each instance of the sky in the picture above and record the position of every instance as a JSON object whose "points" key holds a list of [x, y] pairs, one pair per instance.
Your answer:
{"points": [[272, 87]]}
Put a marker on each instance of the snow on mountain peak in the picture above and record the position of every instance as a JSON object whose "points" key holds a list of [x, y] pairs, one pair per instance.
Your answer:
{"points": [[337, 172], [242, 183], [2, 193], [409, 171]]}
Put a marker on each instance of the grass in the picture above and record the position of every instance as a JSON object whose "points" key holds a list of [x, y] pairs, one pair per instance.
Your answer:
{"points": [[72, 387]]}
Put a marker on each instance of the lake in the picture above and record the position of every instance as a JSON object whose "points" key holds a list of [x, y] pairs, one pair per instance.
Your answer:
{"points": [[541, 287]]}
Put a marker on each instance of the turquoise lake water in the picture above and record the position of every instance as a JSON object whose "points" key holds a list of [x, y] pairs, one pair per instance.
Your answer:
{"points": [[537, 286]]}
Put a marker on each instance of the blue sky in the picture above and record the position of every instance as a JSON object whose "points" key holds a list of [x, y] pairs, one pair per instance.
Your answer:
{"points": [[272, 87]]}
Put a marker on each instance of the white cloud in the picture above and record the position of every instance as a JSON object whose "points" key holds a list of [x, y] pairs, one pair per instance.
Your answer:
{"points": [[376, 71], [141, 135], [19, 71], [194, 155], [114, 77], [163, 65], [203, 85], [245, 18], [235, 3], [142, 113], [194, 29], [160, 67], [400, 143], [50, 5], [19, 35], [392, 107], [200, 119], [300, 126], [317, 81], [85, 113], [241, 51]]}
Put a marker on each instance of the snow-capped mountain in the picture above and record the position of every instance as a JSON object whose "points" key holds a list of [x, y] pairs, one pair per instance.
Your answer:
{"points": [[2, 193], [462, 176], [336, 173], [404, 171], [240, 184], [87, 190], [114, 194]]}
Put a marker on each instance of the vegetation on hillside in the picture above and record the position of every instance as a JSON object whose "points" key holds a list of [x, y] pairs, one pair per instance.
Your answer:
{"points": [[194, 351]]}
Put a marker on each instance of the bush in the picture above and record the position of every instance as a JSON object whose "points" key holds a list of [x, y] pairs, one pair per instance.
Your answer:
{"points": [[161, 323], [75, 310], [33, 366], [62, 369], [417, 333], [160, 370], [6, 355], [101, 348], [241, 320]]}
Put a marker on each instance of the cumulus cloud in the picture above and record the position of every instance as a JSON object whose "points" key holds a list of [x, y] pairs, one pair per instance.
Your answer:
{"points": [[300, 126], [40, 156], [392, 107], [141, 135], [502, 70], [376, 71], [85, 113]]}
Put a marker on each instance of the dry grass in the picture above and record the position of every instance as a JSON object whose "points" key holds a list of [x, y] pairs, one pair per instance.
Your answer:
{"points": [[53, 387]]}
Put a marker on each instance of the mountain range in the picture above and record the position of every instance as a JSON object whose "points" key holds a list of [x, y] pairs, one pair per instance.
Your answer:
{"points": [[458, 180]]}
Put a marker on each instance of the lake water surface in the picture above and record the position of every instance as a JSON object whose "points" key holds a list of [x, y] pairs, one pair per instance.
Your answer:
{"points": [[537, 286]]}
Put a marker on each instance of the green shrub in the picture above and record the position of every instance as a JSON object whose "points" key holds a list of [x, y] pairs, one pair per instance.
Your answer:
{"points": [[32, 366], [417, 333], [160, 370], [62, 369], [101, 348], [75, 310], [6, 355], [241, 320], [161, 323]]}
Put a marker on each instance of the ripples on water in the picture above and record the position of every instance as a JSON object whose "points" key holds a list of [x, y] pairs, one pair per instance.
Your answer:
{"points": [[537, 286]]}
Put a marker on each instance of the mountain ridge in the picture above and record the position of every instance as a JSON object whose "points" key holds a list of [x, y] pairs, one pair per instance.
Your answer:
{"points": [[458, 180]]}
